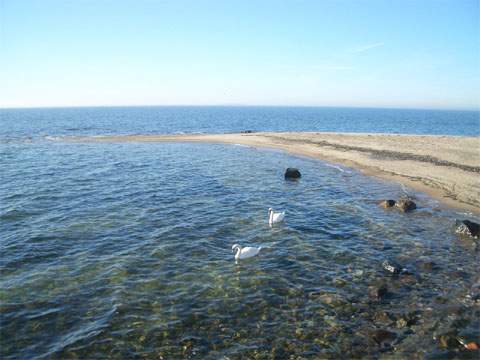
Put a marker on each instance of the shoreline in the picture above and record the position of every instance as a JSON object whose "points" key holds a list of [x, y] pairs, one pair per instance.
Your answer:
{"points": [[445, 167]]}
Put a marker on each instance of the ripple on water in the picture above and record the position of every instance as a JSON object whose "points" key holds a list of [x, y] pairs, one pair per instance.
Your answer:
{"points": [[124, 250]]}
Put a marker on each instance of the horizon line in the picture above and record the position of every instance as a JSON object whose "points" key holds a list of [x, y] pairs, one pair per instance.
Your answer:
{"points": [[238, 105]]}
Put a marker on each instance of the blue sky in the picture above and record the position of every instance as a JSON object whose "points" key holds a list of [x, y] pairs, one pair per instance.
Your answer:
{"points": [[388, 53]]}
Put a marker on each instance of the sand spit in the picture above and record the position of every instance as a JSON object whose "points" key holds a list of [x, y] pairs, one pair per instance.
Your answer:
{"points": [[445, 167]]}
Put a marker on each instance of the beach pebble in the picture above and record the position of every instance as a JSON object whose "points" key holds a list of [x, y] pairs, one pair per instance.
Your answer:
{"points": [[471, 346], [292, 173]]}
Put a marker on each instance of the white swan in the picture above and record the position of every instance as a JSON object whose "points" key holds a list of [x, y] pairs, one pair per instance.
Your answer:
{"points": [[275, 217], [245, 252]]}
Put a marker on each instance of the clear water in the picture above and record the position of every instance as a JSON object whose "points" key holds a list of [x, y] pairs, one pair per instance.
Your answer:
{"points": [[124, 251]]}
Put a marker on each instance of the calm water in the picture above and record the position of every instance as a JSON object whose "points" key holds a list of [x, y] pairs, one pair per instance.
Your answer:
{"points": [[124, 250], [34, 123]]}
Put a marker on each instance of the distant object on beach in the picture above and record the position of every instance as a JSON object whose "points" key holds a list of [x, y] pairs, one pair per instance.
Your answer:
{"points": [[275, 217], [292, 173], [247, 132], [245, 252]]}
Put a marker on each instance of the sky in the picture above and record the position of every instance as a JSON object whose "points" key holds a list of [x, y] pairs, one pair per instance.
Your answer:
{"points": [[360, 53]]}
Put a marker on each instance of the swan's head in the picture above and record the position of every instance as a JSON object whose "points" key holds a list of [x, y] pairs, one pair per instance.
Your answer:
{"points": [[270, 210], [236, 246]]}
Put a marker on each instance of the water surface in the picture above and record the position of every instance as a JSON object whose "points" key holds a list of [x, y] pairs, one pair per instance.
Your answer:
{"points": [[36, 123], [124, 251]]}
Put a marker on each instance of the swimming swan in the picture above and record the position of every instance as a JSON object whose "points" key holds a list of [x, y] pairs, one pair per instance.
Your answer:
{"points": [[245, 252], [275, 217]]}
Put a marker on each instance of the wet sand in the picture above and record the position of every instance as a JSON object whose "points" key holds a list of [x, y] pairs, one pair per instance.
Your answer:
{"points": [[445, 167]]}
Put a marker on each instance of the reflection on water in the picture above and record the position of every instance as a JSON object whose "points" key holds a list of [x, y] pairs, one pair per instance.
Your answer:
{"points": [[124, 251]]}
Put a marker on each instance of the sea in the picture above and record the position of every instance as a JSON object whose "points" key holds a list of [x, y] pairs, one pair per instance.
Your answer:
{"points": [[123, 250]]}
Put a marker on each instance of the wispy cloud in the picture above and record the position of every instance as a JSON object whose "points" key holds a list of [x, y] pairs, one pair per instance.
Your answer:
{"points": [[332, 67], [363, 48], [312, 68]]}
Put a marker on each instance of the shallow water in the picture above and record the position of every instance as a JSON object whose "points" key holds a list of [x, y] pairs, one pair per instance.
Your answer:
{"points": [[124, 251]]}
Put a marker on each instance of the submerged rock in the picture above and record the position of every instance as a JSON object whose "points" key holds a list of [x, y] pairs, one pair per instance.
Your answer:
{"points": [[408, 319], [379, 292], [382, 317], [428, 265], [392, 267], [448, 341], [395, 269], [380, 336], [406, 205], [387, 203], [468, 228], [292, 173]]}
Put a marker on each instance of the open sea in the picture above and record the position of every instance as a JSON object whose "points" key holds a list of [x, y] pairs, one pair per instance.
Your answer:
{"points": [[123, 250]]}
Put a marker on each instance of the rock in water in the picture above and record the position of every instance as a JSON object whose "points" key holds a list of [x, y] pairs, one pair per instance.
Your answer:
{"points": [[395, 269], [387, 203], [468, 228], [292, 173], [391, 267], [381, 336], [379, 292], [406, 205]]}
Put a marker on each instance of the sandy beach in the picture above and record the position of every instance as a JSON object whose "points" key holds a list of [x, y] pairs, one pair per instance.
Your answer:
{"points": [[445, 167]]}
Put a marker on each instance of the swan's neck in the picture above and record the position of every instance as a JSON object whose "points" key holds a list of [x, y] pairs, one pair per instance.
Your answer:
{"points": [[270, 218], [237, 255]]}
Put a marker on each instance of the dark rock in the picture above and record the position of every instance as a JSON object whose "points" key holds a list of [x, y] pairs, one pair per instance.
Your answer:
{"points": [[292, 173], [387, 203], [468, 228], [406, 205], [247, 132], [392, 267], [380, 336], [379, 292], [395, 269]]}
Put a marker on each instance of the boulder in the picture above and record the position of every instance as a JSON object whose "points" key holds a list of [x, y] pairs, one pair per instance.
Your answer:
{"points": [[292, 173], [468, 228], [387, 203], [406, 205]]}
